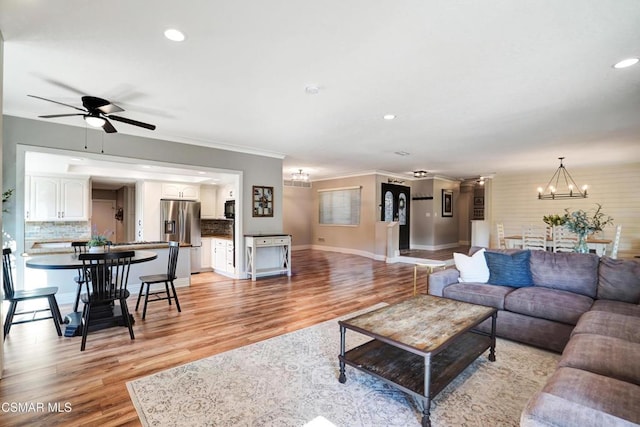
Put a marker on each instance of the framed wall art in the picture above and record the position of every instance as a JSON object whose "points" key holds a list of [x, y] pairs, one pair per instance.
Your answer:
{"points": [[447, 203], [262, 201]]}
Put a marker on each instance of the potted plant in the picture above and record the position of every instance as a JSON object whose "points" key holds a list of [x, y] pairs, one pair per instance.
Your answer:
{"points": [[98, 241], [553, 220], [585, 223]]}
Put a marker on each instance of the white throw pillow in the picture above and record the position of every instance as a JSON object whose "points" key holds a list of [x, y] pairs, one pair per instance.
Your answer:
{"points": [[472, 268]]}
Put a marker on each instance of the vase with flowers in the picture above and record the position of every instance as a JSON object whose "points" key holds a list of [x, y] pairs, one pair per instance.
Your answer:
{"points": [[585, 223]]}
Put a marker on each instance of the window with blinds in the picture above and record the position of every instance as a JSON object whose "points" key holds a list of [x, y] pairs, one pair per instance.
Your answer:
{"points": [[340, 206]]}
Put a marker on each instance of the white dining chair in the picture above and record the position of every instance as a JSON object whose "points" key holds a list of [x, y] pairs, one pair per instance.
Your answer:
{"points": [[616, 242], [534, 237], [563, 239], [501, 242]]}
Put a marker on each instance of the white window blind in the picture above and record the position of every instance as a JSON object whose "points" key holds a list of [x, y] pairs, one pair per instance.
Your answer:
{"points": [[340, 206]]}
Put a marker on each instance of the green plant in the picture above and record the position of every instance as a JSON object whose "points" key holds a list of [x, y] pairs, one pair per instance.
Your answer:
{"points": [[98, 239], [6, 196], [584, 223], [554, 219]]}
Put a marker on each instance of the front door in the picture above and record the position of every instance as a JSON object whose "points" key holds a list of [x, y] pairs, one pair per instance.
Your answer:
{"points": [[395, 207]]}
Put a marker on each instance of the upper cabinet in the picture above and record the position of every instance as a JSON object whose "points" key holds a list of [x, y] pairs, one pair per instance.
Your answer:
{"points": [[180, 191], [208, 202], [51, 198]]}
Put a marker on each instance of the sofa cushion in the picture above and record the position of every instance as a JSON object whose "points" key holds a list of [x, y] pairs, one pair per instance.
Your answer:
{"points": [[616, 307], [509, 269], [609, 324], [572, 272], [619, 279], [602, 355], [478, 293], [472, 268], [545, 303], [578, 398]]}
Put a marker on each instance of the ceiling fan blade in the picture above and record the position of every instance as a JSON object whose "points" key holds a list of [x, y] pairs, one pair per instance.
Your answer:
{"points": [[93, 103], [51, 116], [133, 122], [56, 102], [108, 127]]}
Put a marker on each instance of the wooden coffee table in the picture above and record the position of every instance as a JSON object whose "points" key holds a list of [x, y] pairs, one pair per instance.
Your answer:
{"points": [[419, 345]]}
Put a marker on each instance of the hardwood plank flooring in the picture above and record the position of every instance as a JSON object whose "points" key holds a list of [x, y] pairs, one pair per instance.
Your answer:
{"points": [[218, 314]]}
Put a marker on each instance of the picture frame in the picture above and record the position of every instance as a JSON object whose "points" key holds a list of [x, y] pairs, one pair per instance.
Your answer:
{"points": [[447, 203], [262, 201], [478, 201]]}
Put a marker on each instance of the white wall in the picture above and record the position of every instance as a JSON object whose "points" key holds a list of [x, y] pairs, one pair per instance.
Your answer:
{"points": [[514, 200]]}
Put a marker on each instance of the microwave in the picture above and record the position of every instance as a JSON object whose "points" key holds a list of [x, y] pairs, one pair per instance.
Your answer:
{"points": [[230, 209]]}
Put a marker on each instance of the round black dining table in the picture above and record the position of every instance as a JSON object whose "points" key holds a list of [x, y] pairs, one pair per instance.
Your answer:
{"points": [[69, 261], [110, 316]]}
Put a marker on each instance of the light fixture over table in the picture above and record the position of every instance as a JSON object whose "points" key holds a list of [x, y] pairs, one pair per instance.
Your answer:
{"points": [[569, 187], [300, 176]]}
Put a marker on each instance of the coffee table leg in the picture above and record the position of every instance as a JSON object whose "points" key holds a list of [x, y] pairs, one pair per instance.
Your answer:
{"points": [[426, 402], [342, 377], [492, 351]]}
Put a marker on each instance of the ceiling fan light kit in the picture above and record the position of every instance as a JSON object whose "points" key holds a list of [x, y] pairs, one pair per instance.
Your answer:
{"points": [[96, 113]]}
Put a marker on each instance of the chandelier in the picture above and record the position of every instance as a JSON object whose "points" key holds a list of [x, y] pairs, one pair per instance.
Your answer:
{"points": [[570, 189], [300, 176]]}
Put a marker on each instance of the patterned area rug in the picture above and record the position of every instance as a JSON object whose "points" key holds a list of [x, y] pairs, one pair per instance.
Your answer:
{"points": [[292, 379]]}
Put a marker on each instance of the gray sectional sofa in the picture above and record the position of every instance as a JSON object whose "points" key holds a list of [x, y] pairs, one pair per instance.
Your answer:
{"points": [[583, 306]]}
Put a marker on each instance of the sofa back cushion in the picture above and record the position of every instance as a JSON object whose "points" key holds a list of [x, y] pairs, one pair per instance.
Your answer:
{"points": [[572, 272], [619, 280], [509, 269]]}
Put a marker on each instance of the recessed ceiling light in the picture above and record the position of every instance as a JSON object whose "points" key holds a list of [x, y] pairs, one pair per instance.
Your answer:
{"points": [[312, 89], [401, 153], [146, 166], [174, 35], [626, 63], [389, 116], [202, 173]]}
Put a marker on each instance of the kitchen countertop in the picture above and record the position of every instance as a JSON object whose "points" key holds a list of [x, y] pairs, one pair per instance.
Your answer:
{"points": [[50, 247]]}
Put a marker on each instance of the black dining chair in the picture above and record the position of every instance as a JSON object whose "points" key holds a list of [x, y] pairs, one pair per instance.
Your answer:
{"points": [[78, 248], [16, 296], [106, 275], [166, 278]]}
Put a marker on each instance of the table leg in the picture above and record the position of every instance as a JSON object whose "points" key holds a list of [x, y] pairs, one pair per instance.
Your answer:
{"points": [[492, 351], [343, 377], [426, 403]]}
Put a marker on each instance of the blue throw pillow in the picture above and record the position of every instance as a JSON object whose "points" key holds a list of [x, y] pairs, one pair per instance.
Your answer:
{"points": [[509, 269]]}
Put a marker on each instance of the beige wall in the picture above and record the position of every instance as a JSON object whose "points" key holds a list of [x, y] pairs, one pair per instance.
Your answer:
{"points": [[514, 200], [297, 214]]}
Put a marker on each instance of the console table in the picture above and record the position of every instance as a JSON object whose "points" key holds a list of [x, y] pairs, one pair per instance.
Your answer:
{"points": [[268, 254]]}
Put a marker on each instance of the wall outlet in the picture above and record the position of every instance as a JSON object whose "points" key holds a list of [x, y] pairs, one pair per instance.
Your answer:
{"points": [[428, 214]]}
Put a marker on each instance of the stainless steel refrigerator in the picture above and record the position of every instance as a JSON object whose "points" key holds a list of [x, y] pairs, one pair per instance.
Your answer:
{"points": [[180, 221]]}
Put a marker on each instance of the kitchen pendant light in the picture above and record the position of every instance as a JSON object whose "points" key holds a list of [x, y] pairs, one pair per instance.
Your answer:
{"points": [[569, 187]]}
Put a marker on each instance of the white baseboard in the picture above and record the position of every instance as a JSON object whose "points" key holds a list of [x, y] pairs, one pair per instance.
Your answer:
{"points": [[435, 248]]}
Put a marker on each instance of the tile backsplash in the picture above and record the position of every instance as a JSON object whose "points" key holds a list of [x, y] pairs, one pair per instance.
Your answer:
{"points": [[216, 227], [73, 230]]}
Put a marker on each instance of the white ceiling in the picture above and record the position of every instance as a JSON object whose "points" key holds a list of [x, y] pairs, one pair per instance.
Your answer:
{"points": [[477, 87]]}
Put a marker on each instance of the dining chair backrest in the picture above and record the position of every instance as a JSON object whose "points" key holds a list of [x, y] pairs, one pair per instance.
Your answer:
{"points": [[79, 247], [534, 237], [501, 242], [174, 247], [7, 271], [563, 239], [106, 273], [616, 242]]}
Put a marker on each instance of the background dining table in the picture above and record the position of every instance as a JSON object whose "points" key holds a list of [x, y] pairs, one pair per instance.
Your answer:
{"points": [[599, 246]]}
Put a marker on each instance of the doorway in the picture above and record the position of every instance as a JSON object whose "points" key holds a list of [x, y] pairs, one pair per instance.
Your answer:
{"points": [[103, 218], [395, 207]]}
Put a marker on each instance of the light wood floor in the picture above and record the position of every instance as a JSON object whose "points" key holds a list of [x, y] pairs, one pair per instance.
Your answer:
{"points": [[218, 314]]}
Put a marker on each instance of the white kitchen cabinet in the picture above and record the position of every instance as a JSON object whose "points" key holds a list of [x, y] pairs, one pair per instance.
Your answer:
{"points": [[148, 210], [223, 256], [180, 191], [58, 199], [205, 253], [208, 202]]}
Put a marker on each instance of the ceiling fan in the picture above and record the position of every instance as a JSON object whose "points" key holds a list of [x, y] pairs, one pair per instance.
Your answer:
{"points": [[97, 112]]}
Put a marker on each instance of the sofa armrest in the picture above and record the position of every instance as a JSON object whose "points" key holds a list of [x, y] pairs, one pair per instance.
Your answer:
{"points": [[441, 279]]}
